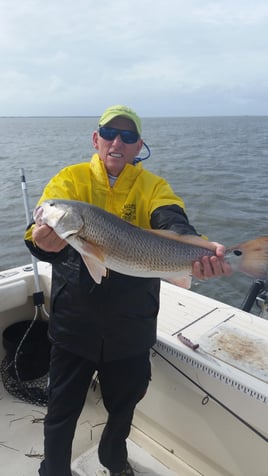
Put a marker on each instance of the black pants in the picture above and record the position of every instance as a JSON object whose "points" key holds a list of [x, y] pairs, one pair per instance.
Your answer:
{"points": [[123, 383]]}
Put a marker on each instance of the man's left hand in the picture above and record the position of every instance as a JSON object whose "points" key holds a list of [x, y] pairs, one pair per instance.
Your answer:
{"points": [[212, 267]]}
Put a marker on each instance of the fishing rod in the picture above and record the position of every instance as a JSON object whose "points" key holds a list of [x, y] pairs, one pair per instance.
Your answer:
{"points": [[19, 386], [38, 295]]}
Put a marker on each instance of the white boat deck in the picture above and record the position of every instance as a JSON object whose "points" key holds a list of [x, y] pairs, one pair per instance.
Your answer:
{"points": [[233, 336], [233, 350], [21, 442], [141, 461]]}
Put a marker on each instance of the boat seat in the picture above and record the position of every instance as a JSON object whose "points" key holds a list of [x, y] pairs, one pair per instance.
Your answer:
{"points": [[13, 295]]}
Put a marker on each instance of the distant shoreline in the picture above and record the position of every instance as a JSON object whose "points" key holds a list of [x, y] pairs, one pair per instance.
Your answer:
{"points": [[143, 117]]}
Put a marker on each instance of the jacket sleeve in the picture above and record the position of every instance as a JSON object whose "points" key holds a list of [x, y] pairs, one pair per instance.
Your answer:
{"points": [[172, 217], [60, 186]]}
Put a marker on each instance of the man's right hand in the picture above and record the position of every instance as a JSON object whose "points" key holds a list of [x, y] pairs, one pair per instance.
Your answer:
{"points": [[47, 239]]}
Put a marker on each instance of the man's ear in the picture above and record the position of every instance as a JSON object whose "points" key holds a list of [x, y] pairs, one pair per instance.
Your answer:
{"points": [[95, 137], [139, 146]]}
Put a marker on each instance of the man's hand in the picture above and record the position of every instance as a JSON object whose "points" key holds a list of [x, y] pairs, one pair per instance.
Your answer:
{"points": [[212, 267], [47, 239]]}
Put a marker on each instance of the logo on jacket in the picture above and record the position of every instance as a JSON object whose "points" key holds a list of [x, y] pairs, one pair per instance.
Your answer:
{"points": [[129, 212]]}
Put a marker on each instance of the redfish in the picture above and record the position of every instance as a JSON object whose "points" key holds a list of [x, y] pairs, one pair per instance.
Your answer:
{"points": [[105, 241]]}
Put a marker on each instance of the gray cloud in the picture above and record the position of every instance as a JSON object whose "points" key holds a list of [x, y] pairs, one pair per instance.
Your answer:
{"points": [[163, 57]]}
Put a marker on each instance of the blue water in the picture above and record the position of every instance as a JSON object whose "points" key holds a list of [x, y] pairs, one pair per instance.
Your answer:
{"points": [[217, 164]]}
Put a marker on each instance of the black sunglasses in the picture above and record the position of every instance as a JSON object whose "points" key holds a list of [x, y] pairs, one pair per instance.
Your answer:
{"points": [[110, 133]]}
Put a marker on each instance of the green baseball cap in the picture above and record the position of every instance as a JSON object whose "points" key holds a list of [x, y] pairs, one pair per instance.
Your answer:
{"points": [[119, 110]]}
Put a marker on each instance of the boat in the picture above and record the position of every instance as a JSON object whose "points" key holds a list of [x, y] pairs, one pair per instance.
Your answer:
{"points": [[206, 409]]}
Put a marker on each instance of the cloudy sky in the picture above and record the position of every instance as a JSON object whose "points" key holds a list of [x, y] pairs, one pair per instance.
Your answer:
{"points": [[161, 57]]}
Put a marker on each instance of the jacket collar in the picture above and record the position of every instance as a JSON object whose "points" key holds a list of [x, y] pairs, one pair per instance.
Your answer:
{"points": [[127, 176]]}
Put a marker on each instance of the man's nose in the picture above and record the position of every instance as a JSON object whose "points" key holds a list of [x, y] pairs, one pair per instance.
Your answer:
{"points": [[117, 139]]}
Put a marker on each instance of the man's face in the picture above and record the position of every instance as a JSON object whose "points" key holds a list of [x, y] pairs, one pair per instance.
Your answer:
{"points": [[116, 153]]}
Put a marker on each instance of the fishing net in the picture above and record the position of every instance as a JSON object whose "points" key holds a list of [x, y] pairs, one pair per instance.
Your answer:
{"points": [[31, 391], [24, 369]]}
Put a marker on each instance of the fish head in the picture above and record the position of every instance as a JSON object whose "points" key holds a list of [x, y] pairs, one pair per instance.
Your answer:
{"points": [[250, 257], [59, 215]]}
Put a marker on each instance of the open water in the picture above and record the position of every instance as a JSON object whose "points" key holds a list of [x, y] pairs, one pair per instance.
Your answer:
{"points": [[219, 165]]}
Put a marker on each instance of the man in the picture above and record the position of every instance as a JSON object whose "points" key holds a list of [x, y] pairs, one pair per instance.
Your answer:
{"points": [[108, 327]]}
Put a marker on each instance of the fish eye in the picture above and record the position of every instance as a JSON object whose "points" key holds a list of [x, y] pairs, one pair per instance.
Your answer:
{"points": [[237, 253]]}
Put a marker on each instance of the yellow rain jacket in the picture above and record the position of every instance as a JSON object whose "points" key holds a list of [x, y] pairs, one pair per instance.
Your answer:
{"points": [[134, 196], [117, 318]]}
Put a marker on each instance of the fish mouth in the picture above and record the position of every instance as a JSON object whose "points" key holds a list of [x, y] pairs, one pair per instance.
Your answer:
{"points": [[38, 215]]}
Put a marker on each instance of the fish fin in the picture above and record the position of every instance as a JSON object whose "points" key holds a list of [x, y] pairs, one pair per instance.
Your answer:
{"points": [[95, 268], [67, 234], [183, 281], [86, 248], [92, 256], [91, 250], [194, 240]]}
